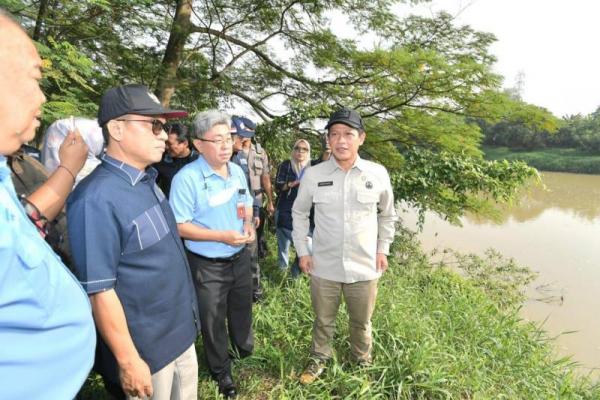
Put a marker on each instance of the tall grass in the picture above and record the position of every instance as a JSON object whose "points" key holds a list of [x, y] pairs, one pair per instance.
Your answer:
{"points": [[436, 336], [559, 160]]}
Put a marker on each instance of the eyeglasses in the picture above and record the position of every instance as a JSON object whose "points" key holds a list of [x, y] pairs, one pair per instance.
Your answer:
{"points": [[219, 142], [158, 126], [301, 149]]}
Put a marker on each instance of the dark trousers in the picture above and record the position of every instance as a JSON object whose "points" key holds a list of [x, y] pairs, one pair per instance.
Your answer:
{"points": [[260, 237], [254, 267], [225, 305]]}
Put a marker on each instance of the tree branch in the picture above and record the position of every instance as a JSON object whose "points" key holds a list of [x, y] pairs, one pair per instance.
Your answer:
{"points": [[258, 53], [259, 108]]}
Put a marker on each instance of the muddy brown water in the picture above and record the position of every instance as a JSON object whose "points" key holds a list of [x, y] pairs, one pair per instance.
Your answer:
{"points": [[556, 232]]}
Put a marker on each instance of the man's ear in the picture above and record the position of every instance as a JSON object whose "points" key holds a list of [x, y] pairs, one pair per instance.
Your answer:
{"points": [[362, 136], [114, 130], [197, 143]]}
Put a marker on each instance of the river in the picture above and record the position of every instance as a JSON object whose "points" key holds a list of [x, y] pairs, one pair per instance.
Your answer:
{"points": [[556, 232]]}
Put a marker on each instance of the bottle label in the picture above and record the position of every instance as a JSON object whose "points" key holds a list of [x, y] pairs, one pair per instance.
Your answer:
{"points": [[241, 210]]}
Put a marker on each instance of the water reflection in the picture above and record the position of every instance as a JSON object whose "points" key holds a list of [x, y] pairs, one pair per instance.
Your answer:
{"points": [[554, 232], [572, 193]]}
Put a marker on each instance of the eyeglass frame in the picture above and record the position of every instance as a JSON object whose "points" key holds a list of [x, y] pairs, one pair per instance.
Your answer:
{"points": [[152, 121], [218, 142], [301, 149]]}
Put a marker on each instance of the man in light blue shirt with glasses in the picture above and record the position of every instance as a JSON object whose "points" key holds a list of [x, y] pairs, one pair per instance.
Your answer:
{"points": [[213, 210]]}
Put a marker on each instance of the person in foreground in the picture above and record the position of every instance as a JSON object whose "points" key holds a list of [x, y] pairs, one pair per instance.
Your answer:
{"points": [[129, 258], [213, 210], [47, 335], [354, 227]]}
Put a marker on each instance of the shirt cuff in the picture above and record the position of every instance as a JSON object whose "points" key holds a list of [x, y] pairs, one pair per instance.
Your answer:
{"points": [[100, 285], [302, 250], [383, 247]]}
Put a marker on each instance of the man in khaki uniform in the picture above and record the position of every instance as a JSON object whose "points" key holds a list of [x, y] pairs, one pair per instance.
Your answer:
{"points": [[354, 227], [254, 162]]}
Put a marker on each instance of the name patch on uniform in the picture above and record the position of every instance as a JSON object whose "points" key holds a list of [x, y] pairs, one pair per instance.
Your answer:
{"points": [[328, 183]]}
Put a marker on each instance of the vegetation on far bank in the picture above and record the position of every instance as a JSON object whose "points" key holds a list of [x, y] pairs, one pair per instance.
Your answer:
{"points": [[549, 159], [437, 335]]}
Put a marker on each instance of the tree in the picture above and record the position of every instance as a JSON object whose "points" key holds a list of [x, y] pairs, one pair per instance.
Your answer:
{"points": [[420, 87]]}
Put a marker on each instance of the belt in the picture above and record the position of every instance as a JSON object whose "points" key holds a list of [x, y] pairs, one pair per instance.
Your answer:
{"points": [[231, 258]]}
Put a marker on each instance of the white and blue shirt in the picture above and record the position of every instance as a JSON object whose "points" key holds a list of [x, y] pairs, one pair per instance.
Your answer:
{"points": [[124, 237]]}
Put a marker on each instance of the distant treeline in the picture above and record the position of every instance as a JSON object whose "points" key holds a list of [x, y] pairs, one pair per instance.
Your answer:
{"points": [[581, 132]]}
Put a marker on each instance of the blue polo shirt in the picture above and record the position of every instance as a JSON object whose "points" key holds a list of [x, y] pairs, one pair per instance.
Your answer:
{"points": [[47, 336], [124, 237], [201, 196]]}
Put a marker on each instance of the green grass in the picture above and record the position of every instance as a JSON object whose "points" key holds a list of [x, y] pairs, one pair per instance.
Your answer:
{"points": [[560, 160], [436, 336]]}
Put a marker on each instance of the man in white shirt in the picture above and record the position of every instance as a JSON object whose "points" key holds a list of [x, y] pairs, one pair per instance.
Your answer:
{"points": [[354, 227]]}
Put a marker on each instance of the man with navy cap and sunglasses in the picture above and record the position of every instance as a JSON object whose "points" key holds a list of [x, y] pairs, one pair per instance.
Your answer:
{"points": [[130, 259], [354, 227]]}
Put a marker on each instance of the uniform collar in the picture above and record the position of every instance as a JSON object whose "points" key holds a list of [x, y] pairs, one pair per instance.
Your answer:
{"points": [[126, 171], [333, 165]]}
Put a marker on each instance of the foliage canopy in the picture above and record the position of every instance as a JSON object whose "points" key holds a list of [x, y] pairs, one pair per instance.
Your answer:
{"points": [[420, 82]]}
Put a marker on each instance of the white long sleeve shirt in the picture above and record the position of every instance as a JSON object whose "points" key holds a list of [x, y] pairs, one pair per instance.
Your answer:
{"points": [[354, 219]]}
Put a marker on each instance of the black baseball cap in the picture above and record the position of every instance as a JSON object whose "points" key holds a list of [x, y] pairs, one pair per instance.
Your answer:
{"points": [[346, 116], [132, 99]]}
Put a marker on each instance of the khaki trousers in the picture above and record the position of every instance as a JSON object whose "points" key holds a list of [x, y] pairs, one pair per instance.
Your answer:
{"points": [[360, 302], [178, 380]]}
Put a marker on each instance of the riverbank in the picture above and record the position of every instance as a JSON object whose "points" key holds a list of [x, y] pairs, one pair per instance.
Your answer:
{"points": [[437, 336], [558, 160]]}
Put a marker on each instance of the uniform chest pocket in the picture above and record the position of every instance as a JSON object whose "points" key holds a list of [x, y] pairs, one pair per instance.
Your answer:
{"points": [[326, 199], [258, 166], [147, 229], [369, 197], [366, 201]]}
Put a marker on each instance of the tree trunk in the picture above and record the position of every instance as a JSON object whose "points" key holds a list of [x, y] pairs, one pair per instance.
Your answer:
{"points": [[39, 21], [180, 31]]}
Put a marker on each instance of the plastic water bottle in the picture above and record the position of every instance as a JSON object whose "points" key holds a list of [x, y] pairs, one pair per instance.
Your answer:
{"points": [[241, 204]]}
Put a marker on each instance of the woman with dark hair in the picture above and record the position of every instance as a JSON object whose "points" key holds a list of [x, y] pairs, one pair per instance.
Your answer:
{"points": [[288, 178]]}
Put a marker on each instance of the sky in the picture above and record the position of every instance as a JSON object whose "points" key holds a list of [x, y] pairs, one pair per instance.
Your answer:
{"points": [[554, 43]]}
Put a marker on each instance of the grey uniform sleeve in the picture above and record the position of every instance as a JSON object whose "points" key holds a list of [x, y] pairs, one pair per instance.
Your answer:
{"points": [[386, 218], [300, 214]]}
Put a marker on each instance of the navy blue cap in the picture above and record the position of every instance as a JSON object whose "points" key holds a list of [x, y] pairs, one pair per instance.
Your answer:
{"points": [[132, 99], [242, 126], [346, 116]]}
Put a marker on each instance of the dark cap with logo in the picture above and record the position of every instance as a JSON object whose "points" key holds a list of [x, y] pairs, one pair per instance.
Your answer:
{"points": [[132, 99], [346, 116], [242, 126]]}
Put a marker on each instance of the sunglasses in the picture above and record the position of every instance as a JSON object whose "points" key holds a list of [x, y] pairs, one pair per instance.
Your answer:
{"points": [[158, 126], [301, 149]]}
